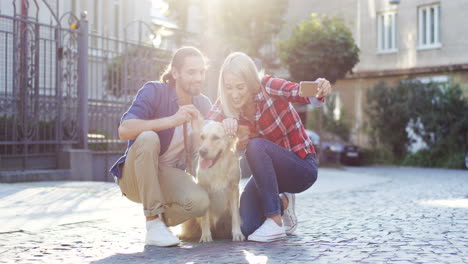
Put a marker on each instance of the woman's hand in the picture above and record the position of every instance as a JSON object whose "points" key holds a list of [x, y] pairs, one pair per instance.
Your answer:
{"points": [[324, 87], [230, 126]]}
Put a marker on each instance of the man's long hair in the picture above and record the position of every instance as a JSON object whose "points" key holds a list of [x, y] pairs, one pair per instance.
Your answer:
{"points": [[177, 62]]}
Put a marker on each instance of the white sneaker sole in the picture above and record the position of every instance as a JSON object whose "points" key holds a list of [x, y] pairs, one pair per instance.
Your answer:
{"points": [[266, 239], [159, 244]]}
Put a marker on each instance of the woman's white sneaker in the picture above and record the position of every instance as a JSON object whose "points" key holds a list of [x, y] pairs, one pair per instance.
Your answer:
{"points": [[289, 215], [157, 234], [269, 231]]}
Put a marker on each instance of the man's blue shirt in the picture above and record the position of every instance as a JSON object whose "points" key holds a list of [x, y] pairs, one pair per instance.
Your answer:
{"points": [[156, 100]]}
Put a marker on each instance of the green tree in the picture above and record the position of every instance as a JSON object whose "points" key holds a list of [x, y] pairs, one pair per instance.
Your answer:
{"points": [[320, 47], [435, 112], [389, 114], [339, 127], [439, 117], [245, 25]]}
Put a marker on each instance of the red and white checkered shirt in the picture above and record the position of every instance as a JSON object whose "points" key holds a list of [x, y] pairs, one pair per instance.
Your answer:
{"points": [[275, 118]]}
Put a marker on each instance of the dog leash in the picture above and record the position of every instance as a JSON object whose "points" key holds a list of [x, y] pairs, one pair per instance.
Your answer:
{"points": [[188, 157]]}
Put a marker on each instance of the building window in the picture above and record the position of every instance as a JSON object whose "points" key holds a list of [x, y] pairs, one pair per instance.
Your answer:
{"points": [[429, 27], [386, 32]]}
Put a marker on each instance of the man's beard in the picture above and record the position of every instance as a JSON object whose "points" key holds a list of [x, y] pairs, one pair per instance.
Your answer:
{"points": [[191, 90]]}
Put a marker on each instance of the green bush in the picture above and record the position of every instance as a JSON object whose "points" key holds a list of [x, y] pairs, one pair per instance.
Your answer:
{"points": [[372, 156], [340, 127], [437, 113], [389, 113], [428, 158]]}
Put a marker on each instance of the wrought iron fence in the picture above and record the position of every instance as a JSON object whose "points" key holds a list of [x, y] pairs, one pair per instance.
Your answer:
{"points": [[61, 87], [117, 69], [38, 113]]}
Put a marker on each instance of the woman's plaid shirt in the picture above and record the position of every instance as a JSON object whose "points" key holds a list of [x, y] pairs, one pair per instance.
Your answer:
{"points": [[276, 119]]}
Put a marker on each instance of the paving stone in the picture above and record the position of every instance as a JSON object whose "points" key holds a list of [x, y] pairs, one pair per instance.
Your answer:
{"points": [[357, 215]]}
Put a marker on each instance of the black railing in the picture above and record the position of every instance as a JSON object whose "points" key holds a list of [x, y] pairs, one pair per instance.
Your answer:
{"points": [[61, 87]]}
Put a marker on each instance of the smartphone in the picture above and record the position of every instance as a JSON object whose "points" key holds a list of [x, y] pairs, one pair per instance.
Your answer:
{"points": [[308, 89]]}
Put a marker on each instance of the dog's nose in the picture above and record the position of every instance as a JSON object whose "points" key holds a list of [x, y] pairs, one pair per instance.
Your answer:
{"points": [[203, 152]]}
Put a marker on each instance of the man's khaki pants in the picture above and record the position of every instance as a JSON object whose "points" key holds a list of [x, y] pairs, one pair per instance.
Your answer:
{"points": [[161, 189]]}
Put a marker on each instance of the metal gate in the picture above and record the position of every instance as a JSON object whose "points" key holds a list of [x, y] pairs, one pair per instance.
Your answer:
{"points": [[61, 87], [38, 92]]}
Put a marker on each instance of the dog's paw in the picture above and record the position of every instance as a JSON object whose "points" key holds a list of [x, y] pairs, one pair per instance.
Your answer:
{"points": [[237, 236], [206, 238]]}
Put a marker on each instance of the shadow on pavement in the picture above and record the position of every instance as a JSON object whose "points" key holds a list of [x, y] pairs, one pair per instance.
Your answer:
{"points": [[223, 251]]}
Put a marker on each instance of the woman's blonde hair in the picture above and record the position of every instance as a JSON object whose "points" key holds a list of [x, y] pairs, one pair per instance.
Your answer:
{"points": [[242, 66]]}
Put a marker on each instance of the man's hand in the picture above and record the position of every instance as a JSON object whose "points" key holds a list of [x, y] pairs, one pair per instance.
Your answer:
{"points": [[230, 126], [197, 124], [324, 88], [186, 113]]}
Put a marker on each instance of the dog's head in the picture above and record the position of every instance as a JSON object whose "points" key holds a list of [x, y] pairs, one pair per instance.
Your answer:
{"points": [[214, 142]]}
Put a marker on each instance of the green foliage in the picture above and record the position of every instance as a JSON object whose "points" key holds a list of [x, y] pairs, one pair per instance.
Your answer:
{"points": [[431, 158], [145, 62], [320, 47], [340, 127], [371, 156], [250, 24], [44, 130], [244, 25], [437, 113], [442, 111], [389, 113]]}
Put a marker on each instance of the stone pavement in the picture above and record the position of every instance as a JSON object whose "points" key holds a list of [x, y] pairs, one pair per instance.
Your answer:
{"points": [[365, 215]]}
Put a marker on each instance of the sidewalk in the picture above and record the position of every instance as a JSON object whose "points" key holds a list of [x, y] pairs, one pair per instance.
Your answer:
{"points": [[364, 215], [34, 206]]}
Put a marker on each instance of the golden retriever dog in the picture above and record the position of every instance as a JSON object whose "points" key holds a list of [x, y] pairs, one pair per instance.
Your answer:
{"points": [[218, 172]]}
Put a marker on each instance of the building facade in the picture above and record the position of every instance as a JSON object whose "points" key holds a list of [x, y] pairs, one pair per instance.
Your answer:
{"points": [[417, 39]]}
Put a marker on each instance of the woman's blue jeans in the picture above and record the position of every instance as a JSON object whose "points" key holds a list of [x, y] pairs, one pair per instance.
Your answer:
{"points": [[274, 170]]}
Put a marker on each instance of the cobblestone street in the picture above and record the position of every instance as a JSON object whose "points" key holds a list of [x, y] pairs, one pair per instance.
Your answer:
{"points": [[365, 215]]}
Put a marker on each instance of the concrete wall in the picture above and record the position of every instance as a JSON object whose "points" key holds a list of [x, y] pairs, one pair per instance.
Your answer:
{"points": [[74, 165]]}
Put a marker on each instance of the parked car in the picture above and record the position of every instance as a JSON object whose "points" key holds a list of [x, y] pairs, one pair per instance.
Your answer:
{"points": [[336, 150]]}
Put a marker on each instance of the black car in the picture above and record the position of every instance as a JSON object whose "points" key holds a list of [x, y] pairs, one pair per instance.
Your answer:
{"points": [[351, 155], [336, 151]]}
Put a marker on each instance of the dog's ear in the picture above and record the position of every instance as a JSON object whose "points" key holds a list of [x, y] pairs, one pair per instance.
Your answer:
{"points": [[242, 131]]}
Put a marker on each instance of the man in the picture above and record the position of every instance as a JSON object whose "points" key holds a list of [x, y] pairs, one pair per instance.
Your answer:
{"points": [[152, 170]]}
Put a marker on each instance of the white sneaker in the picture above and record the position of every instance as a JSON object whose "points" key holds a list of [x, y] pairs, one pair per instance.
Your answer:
{"points": [[289, 215], [157, 234], [269, 231]]}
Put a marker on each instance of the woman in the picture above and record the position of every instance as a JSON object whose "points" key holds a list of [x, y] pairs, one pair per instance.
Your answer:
{"points": [[279, 153]]}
